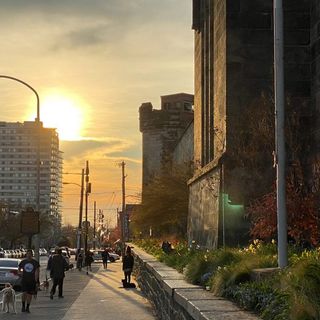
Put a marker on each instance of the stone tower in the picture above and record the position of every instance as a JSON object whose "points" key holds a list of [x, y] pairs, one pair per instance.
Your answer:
{"points": [[161, 129]]}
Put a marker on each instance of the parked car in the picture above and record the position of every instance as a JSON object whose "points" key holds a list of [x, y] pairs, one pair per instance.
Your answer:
{"points": [[9, 272], [20, 253], [7, 254], [97, 257]]}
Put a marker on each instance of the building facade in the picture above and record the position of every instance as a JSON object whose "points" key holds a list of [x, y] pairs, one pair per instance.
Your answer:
{"points": [[233, 82], [18, 167], [161, 131]]}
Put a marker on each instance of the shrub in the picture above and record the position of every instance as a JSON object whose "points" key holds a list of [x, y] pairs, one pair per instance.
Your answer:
{"points": [[205, 263], [239, 271], [292, 294], [302, 281], [262, 298]]}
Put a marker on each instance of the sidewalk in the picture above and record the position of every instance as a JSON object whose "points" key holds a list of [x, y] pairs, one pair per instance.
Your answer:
{"points": [[96, 296]]}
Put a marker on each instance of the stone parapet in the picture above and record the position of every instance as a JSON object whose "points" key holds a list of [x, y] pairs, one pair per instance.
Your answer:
{"points": [[175, 299]]}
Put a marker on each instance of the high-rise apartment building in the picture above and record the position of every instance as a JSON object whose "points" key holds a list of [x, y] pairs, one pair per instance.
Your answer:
{"points": [[18, 166]]}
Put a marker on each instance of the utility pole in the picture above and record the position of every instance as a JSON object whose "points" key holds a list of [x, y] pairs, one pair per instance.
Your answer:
{"points": [[123, 213], [38, 161], [79, 235], [88, 190], [101, 219], [94, 226], [280, 134]]}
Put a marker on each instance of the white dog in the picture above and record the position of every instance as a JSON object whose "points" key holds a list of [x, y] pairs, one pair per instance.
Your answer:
{"points": [[8, 297]]}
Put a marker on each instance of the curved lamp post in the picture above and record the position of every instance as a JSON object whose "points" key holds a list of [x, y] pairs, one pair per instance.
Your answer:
{"points": [[80, 207], [37, 120], [31, 88]]}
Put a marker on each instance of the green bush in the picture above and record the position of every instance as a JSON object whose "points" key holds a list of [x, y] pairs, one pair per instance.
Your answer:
{"points": [[204, 263], [261, 298], [302, 281], [239, 271]]}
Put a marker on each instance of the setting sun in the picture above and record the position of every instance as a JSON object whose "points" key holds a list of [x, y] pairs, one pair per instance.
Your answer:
{"points": [[63, 113]]}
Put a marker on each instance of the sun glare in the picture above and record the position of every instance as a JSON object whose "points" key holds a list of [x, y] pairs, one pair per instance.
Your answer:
{"points": [[63, 113]]}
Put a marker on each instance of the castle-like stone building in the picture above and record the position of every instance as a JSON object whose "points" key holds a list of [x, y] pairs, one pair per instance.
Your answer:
{"points": [[233, 71], [161, 131]]}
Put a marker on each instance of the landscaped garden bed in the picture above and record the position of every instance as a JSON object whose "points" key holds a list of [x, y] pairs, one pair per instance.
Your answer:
{"points": [[292, 293]]}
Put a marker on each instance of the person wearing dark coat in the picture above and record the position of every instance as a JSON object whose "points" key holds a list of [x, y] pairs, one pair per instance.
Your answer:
{"points": [[127, 265], [57, 265], [105, 256], [88, 259]]}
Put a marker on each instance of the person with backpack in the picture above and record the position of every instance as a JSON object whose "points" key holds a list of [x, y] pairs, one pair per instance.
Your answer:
{"points": [[57, 265]]}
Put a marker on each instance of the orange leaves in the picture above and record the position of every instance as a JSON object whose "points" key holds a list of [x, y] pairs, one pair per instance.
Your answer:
{"points": [[301, 216]]}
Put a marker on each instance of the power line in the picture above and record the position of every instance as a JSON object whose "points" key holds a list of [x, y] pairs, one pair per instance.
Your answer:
{"points": [[89, 209]]}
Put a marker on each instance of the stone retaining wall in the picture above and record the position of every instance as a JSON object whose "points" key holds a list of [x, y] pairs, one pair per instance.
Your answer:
{"points": [[175, 299]]}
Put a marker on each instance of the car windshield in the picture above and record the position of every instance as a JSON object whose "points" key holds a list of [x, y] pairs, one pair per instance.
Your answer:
{"points": [[8, 263]]}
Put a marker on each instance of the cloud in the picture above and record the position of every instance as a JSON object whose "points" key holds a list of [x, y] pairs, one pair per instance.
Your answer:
{"points": [[81, 148], [80, 38]]}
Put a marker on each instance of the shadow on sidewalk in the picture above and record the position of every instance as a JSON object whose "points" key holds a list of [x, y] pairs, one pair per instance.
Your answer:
{"points": [[117, 290]]}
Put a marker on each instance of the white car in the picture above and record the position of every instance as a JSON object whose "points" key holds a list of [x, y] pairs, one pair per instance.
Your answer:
{"points": [[98, 258]]}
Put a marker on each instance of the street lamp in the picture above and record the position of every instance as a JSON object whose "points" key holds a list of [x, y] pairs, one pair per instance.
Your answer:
{"points": [[280, 133], [80, 208], [37, 121]]}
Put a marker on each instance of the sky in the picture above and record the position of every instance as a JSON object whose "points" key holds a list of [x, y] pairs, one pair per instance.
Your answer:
{"points": [[93, 62]]}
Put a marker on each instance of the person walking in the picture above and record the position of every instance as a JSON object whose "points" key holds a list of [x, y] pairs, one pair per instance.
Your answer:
{"points": [[29, 269], [79, 260], [105, 256], [88, 260], [127, 265], [57, 266]]}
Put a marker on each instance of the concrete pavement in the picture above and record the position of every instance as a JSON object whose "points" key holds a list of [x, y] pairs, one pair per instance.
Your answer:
{"points": [[96, 296]]}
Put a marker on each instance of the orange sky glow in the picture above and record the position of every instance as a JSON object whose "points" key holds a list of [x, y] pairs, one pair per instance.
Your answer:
{"points": [[93, 63]]}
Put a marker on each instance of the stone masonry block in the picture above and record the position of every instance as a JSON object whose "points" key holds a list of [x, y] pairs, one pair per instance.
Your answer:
{"points": [[171, 285], [183, 296]]}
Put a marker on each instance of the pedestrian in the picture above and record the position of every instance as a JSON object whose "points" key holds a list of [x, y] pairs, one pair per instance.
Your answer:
{"points": [[57, 266], [105, 256], [79, 260], [88, 260], [127, 265], [29, 269]]}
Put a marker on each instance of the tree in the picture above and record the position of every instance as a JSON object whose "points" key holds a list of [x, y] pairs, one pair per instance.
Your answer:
{"points": [[68, 236], [165, 204], [252, 158]]}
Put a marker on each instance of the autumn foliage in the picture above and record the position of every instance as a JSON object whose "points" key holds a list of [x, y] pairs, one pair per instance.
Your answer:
{"points": [[302, 216]]}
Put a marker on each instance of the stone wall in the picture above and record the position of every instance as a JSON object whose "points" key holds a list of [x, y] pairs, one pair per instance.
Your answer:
{"points": [[175, 299], [243, 73], [203, 214], [183, 152]]}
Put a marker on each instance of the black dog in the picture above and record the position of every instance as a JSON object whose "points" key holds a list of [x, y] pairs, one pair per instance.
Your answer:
{"points": [[128, 285]]}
